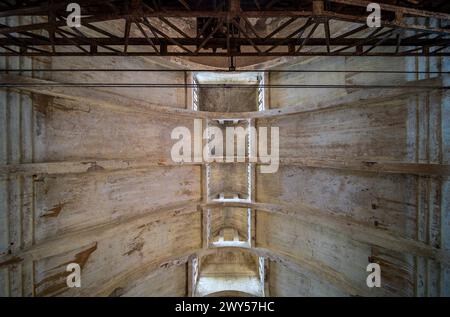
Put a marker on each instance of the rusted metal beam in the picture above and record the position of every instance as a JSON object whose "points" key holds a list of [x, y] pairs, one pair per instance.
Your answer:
{"points": [[394, 8], [227, 14], [149, 39], [221, 42]]}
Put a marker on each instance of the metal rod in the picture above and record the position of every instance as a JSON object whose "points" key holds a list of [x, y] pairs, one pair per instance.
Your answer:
{"points": [[17, 70], [219, 86]]}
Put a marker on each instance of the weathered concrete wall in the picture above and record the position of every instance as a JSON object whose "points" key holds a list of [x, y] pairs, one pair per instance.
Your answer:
{"points": [[374, 131], [409, 129], [172, 97], [228, 100], [112, 222], [284, 97], [285, 282], [162, 282], [70, 131], [229, 178], [228, 217], [228, 271], [124, 223]]}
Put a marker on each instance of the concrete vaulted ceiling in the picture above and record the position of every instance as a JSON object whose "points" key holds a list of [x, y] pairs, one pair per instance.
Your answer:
{"points": [[86, 174]]}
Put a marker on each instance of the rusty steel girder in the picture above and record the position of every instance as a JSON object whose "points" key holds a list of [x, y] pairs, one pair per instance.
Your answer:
{"points": [[225, 28]]}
